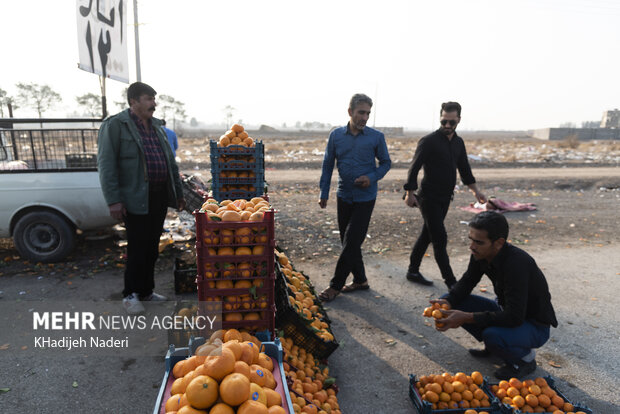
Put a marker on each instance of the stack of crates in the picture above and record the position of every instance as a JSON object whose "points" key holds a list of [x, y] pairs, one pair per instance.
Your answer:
{"points": [[235, 266], [237, 171]]}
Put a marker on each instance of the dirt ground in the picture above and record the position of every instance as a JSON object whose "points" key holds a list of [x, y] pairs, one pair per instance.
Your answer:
{"points": [[574, 235]]}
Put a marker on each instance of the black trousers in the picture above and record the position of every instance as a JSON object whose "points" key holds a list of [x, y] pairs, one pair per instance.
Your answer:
{"points": [[433, 212], [143, 233], [353, 221]]}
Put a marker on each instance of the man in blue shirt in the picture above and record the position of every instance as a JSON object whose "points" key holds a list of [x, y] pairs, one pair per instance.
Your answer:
{"points": [[172, 138], [354, 147]]}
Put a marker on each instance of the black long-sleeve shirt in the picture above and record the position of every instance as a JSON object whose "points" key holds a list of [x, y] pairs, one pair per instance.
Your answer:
{"points": [[519, 284], [440, 157]]}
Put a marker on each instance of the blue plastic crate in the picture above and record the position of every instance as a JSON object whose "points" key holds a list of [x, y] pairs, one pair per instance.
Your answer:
{"points": [[551, 382], [258, 180], [237, 194], [218, 166], [173, 356], [424, 407]]}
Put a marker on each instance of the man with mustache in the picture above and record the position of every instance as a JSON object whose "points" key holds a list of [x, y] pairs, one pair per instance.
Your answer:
{"points": [[440, 153], [140, 180], [355, 147]]}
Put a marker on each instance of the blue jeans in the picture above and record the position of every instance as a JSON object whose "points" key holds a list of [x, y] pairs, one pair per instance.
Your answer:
{"points": [[510, 344]]}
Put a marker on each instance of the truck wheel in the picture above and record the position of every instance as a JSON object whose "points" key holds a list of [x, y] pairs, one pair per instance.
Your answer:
{"points": [[43, 236]]}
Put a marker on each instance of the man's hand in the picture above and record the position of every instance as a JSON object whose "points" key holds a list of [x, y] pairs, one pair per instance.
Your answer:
{"points": [[117, 211], [181, 204], [411, 200], [480, 197], [362, 181], [322, 203], [453, 319]]}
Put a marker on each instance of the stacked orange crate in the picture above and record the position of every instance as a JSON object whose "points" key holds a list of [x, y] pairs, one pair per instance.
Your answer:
{"points": [[235, 263]]}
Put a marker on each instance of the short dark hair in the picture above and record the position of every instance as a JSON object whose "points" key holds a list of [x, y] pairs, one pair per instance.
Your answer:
{"points": [[137, 89], [451, 107], [493, 222], [359, 98], [163, 122]]}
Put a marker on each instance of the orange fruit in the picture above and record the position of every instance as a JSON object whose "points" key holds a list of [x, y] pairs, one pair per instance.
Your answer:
{"points": [[531, 400], [257, 374], [265, 361], [568, 406], [217, 367], [512, 392], [458, 386], [274, 397], [202, 392], [518, 401], [456, 396], [460, 376], [242, 368], [468, 395], [235, 389], [172, 404], [534, 389], [276, 409], [234, 346], [541, 382], [504, 384], [236, 128], [232, 334], [557, 401], [252, 407], [544, 400], [477, 377], [257, 393], [242, 134], [255, 351], [221, 408], [233, 317], [270, 381], [436, 388], [431, 396], [177, 371], [188, 409], [447, 387], [514, 382], [470, 412], [230, 215], [178, 386]]}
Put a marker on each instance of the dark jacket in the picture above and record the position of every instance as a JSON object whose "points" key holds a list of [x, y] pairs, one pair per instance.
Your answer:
{"points": [[520, 286], [122, 166]]}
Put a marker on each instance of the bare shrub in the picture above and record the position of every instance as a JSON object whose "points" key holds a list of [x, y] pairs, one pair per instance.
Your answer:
{"points": [[569, 141]]}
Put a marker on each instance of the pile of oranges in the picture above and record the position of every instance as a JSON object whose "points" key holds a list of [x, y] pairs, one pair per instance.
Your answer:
{"points": [[434, 311], [448, 391], [237, 210], [310, 390], [227, 375], [532, 396], [304, 299], [236, 135]]}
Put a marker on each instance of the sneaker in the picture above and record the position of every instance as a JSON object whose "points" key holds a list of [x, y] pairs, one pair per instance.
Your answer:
{"points": [[154, 297], [132, 304], [417, 277], [480, 353], [516, 370]]}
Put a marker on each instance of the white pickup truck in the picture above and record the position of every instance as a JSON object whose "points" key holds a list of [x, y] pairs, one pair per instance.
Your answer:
{"points": [[49, 189]]}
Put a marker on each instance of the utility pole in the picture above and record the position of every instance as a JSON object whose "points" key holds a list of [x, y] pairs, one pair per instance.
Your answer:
{"points": [[137, 37]]}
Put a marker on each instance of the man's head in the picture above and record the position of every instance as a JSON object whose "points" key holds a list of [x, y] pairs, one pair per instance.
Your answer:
{"points": [[488, 232], [450, 116], [359, 111], [163, 122], [141, 99]]}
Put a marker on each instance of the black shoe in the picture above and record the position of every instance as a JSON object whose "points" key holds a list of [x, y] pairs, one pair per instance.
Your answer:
{"points": [[516, 371], [480, 353], [416, 277]]}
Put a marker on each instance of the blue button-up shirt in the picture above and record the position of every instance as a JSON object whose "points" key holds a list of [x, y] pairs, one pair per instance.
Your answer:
{"points": [[355, 156]]}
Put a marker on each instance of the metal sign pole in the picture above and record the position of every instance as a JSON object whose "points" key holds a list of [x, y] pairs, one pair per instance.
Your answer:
{"points": [[135, 29]]}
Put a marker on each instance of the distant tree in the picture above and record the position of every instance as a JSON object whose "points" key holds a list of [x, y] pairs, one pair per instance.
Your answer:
{"points": [[193, 122], [91, 103], [39, 97], [171, 108], [591, 124], [122, 104], [229, 112], [3, 95]]}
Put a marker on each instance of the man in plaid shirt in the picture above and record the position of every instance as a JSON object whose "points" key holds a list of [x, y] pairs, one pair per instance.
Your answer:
{"points": [[140, 180]]}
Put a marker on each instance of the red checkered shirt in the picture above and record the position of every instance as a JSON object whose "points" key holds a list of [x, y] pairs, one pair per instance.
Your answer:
{"points": [[156, 165]]}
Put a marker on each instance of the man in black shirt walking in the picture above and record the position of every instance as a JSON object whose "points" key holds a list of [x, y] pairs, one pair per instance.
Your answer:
{"points": [[520, 318], [440, 153]]}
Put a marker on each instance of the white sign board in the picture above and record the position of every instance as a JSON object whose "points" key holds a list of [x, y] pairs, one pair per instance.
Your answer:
{"points": [[102, 38]]}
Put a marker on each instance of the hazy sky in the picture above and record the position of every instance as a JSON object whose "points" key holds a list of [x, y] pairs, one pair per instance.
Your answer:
{"points": [[519, 64]]}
